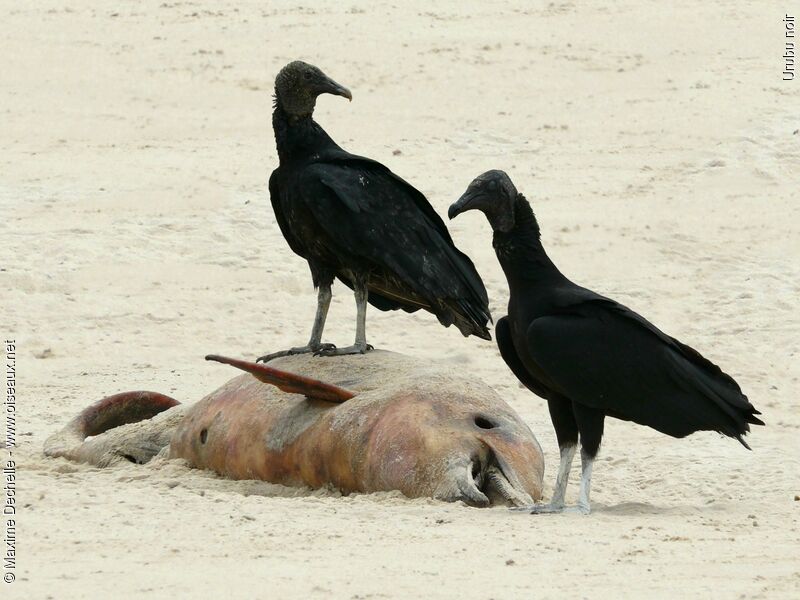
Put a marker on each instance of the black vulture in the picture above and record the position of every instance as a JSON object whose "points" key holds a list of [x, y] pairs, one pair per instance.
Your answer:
{"points": [[352, 218], [589, 356]]}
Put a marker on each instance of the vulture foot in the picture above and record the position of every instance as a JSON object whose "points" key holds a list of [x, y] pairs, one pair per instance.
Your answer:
{"points": [[354, 349], [316, 349], [550, 509]]}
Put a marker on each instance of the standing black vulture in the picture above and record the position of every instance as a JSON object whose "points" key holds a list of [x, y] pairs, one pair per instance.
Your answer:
{"points": [[589, 356], [354, 219]]}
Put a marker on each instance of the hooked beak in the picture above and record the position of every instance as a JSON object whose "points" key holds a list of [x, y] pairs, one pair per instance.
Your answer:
{"points": [[463, 204], [331, 87]]}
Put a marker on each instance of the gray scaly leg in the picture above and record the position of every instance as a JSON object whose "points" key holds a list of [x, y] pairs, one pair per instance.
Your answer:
{"points": [[559, 492], [314, 344], [360, 346], [586, 483]]}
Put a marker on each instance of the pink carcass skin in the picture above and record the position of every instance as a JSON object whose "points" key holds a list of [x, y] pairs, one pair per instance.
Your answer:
{"points": [[388, 422]]}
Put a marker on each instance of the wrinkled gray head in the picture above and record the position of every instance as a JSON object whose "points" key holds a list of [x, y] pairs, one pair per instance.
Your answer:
{"points": [[494, 195], [298, 84]]}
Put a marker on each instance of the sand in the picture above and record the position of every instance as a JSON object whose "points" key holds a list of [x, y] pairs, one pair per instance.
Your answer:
{"points": [[659, 147]]}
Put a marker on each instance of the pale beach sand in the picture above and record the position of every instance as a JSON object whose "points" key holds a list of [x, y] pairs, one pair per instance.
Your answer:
{"points": [[660, 149]]}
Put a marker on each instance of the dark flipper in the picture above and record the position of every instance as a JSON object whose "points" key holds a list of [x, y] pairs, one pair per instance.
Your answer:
{"points": [[288, 382]]}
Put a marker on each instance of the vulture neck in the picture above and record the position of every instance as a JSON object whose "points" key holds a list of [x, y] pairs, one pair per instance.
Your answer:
{"points": [[298, 137], [520, 251]]}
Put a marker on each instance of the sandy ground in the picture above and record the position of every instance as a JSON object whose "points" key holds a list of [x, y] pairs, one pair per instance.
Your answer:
{"points": [[659, 147]]}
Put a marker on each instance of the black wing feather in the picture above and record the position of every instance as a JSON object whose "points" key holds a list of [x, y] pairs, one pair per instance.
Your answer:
{"points": [[344, 158], [610, 358], [505, 343], [370, 215], [275, 196]]}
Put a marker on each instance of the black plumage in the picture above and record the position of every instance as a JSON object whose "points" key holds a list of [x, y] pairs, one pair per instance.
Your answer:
{"points": [[589, 356], [353, 219]]}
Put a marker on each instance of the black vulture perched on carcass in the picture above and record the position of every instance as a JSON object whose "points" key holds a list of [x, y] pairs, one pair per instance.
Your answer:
{"points": [[354, 219], [589, 356]]}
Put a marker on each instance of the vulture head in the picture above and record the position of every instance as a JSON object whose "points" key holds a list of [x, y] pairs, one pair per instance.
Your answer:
{"points": [[493, 194], [298, 84]]}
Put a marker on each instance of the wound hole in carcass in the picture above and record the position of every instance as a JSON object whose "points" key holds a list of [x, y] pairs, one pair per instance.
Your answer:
{"points": [[203, 436]]}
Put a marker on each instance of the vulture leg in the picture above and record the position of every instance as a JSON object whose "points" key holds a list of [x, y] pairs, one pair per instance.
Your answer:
{"points": [[586, 482], [360, 346], [559, 492], [591, 422], [314, 344], [557, 504]]}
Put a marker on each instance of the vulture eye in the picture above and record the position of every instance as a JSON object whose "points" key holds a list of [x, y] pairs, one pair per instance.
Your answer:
{"points": [[307, 75]]}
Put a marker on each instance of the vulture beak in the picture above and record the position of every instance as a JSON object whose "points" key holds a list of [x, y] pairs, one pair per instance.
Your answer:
{"points": [[467, 202], [331, 87]]}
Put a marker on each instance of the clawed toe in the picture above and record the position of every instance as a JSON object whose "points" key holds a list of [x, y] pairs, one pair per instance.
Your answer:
{"points": [[354, 349], [268, 357], [538, 509], [316, 349], [550, 509], [324, 348]]}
